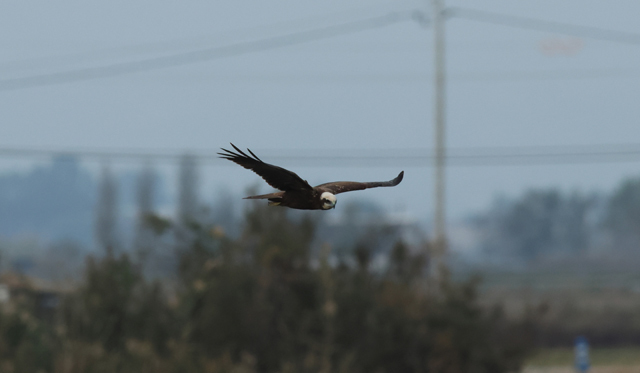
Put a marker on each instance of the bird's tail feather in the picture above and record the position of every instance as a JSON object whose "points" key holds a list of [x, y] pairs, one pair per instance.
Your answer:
{"points": [[275, 199], [265, 196]]}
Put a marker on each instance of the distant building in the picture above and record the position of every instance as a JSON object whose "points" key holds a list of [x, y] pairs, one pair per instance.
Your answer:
{"points": [[18, 289]]}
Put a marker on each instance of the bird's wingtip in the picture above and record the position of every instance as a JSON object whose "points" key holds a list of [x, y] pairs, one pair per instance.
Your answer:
{"points": [[398, 178]]}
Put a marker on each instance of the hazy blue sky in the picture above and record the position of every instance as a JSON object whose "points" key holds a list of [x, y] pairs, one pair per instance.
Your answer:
{"points": [[370, 90]]}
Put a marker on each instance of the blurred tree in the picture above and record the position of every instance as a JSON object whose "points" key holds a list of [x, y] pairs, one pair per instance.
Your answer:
{"points": [[256, 296], [539, 224], [189, 213], [622, 219], [26, 344], [115, 306], [466, 338], [144, 236], [107, 212], [188, 203], [146, 191], [224, 214], [62, 262]]}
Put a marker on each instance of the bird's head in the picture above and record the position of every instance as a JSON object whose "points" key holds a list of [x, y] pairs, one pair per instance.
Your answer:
{"points": [[328, 201]]}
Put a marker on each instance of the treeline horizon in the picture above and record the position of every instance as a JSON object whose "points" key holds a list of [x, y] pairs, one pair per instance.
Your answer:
{"points": [[62, 202]]}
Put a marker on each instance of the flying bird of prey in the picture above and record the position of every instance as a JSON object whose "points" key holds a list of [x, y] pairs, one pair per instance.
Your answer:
{"points": [[295, 192]]}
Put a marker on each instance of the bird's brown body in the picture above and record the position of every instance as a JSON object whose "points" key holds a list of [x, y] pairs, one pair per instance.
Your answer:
{"points": [[295, 192]]}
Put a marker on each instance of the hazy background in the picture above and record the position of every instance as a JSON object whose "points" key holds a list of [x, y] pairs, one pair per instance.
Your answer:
{"points": [[111, 114], [370, 91]]}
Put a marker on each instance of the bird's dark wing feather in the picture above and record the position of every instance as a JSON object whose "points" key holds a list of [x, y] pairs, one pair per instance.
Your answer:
{"points": [[348, 186], [275, 176]]}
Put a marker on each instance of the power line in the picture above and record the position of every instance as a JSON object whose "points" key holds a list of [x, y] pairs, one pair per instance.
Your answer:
{"points": [[203, 55], [543, 25], [461, 157], [548, 75], [421, 78], [207, 54], [201, 41]]}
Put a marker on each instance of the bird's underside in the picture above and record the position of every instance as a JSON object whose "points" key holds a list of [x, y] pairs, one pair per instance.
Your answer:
{"points": [[294, 191]]}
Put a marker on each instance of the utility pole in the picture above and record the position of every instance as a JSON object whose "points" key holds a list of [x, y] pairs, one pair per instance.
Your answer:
{"points": [[440, 239]]}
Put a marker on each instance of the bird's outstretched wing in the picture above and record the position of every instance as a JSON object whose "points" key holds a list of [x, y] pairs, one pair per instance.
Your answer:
{"points": [[275, 176], [348, 186]]}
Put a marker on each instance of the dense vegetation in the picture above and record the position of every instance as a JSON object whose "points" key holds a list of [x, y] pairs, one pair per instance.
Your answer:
{"points": [[263, 302]]}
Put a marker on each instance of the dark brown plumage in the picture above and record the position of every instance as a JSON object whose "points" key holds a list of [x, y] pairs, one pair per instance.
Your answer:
{"points": [[295, 192]]}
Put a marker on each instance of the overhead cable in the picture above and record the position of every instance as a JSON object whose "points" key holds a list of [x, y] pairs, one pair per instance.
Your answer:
{"points": [[461, 157], [203, 55], [543, 25], [181, 44]]}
